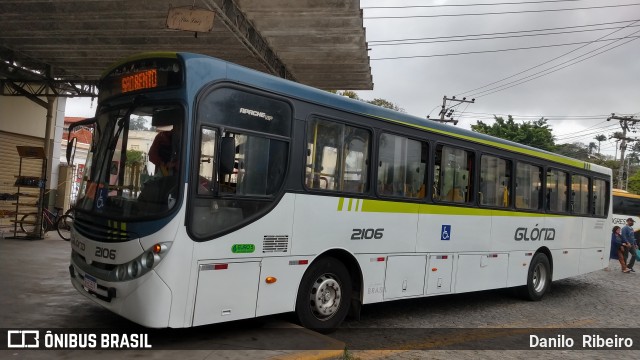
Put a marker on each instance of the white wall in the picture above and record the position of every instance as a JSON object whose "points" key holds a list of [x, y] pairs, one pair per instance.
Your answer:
{"points": [[22, 116]]}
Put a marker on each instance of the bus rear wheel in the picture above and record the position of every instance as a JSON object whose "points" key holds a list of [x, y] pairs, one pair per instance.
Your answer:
{"points": [[324, 295], [538, 278]]}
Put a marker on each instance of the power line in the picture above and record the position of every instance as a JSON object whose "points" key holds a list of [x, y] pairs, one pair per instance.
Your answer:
{"points": [[466, 5], [495, 51], [500, 13], [372, 42], [497, 37], [546, 62], [571, 64], [596, 116]]}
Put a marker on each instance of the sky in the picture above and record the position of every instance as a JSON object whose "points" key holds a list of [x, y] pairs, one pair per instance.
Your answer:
{"points": [[576, 100]]}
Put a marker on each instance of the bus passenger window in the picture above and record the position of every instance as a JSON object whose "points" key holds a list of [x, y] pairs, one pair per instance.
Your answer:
{"points": [[600, 197], [402, 166], [528, 187], [455, 174], [557, 190], [337, 157], [580, 194], [495, 179]]}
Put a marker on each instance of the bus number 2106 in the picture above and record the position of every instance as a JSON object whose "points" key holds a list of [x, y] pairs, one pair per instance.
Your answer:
{"points": [[365, 234]]}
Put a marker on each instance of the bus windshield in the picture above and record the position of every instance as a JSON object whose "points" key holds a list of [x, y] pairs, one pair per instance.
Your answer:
{"points": [[133, 168]]}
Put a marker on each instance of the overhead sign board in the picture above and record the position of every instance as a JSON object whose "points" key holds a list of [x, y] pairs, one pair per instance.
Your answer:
{"points": [[190, 19]]}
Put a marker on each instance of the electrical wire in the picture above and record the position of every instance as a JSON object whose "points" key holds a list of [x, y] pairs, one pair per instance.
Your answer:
{"points": [[496, 37], [501, 33], [466, 5], [499, 13], [495, 51], [551, 72]]}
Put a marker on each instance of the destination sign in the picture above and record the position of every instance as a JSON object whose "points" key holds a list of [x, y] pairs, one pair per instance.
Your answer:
{"points": [[143, 80]]}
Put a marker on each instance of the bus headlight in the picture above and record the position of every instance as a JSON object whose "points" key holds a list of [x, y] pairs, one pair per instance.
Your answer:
{"points": [[140, 265]]}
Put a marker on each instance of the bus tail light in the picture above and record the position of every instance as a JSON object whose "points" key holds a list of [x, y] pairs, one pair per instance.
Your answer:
{"points": [[270, 280]]}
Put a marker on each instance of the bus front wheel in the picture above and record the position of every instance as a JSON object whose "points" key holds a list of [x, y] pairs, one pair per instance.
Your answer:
{"points": [[324, 295], [538, 278]]}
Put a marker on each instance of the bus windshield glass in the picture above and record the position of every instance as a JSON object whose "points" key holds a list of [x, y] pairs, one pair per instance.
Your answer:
{"points": [[133, 169]]}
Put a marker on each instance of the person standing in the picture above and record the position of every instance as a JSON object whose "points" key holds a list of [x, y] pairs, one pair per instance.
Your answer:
{"points": [[628, 236], [619, 248]]}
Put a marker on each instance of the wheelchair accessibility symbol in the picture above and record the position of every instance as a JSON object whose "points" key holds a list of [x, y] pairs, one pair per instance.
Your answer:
{"points": [[446, 232]]}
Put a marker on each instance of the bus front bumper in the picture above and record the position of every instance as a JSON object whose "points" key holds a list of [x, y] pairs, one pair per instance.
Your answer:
{"points": [[146, 300]]}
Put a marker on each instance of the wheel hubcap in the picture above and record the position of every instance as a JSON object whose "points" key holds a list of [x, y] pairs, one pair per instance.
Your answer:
{"points": [[539, 278], [325, 297]]}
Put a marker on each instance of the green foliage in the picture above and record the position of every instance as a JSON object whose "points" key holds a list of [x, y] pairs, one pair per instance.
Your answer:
{"points": [[386, 104], [138, 123], [576, 150], [134, 156], [634, 183], [533, 133], [377, 101]]}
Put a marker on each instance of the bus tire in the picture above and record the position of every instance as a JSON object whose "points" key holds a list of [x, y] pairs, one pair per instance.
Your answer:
{"points": [[538, 278], [324, 295]]}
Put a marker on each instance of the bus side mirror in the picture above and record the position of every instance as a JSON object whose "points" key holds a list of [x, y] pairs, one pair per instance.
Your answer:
{"points": [[227, 155], [71, 150]]}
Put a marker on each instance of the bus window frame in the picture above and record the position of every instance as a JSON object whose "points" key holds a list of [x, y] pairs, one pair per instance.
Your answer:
{"points": [[512, 162], [608, 206], [572, 211], [428, 167], [372, 144], [473, 202], [541, 207], [567, 210]]}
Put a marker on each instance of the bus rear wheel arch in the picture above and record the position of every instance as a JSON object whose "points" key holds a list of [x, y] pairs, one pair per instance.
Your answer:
{"points": [[324, 295]]}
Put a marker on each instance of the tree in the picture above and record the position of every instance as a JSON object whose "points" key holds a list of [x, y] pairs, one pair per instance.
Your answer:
{"points": [[134, 156], [533, 133], [634, 183], [377, 101], [138, 123], [600, 138], [592, 146], [576, 150], [386, 104]]}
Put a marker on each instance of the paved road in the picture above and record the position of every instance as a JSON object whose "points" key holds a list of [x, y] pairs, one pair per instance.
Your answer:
{"points": [[602, 299], [35, 292]]}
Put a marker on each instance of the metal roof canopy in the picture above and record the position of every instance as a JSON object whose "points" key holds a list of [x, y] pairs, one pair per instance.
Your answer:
{"points": [[61, 47]]}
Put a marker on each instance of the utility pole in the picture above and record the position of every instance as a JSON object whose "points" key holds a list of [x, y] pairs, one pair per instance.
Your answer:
{"points": [[624, 124], [448, 112]]}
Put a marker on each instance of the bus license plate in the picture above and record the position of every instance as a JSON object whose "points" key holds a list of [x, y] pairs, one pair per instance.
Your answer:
{"points": [[90, 283]]}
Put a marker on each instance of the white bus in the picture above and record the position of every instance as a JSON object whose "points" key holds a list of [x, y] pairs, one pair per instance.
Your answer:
{"points": [[284, 198], [625, 205]]}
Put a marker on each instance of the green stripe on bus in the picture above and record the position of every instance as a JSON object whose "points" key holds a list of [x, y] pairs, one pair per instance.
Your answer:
{"points": [[389, 207], [340, 204], [381, 206]]}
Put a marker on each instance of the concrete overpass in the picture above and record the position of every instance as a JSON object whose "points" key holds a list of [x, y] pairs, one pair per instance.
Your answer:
{"points": [[318, 43]]}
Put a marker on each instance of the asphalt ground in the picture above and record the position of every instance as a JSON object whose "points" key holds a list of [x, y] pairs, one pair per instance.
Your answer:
{"points": [[35, 293]]}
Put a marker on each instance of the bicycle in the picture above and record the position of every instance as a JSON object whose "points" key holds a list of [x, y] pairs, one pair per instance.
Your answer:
{"points": [[50, 221]]}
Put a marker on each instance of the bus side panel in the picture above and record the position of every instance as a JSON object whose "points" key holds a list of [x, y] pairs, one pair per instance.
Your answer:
{"points": [[226, 293], [563, 233], [566, 263], [444, 233], [324, 222], [594, 240], [373, 273], [481, 272], [518, 267], [280, 296]]}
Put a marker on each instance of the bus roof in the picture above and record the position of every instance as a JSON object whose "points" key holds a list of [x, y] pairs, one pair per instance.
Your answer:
{"points": [[624, 193]]}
